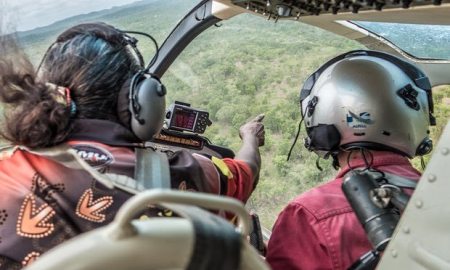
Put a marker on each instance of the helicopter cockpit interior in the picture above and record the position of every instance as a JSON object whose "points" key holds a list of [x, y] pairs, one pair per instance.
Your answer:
{"points": [[127, 243]]}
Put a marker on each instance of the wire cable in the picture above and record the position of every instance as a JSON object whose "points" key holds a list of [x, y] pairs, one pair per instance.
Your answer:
{"points": [[296, 138], [152, 62]]}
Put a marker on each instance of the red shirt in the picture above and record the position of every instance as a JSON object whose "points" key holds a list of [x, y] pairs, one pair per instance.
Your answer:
{"points": [[319, 230]]}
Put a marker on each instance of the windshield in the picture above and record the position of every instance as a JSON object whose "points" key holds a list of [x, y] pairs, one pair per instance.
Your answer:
{"points": [[249, 66], [421, 41]]}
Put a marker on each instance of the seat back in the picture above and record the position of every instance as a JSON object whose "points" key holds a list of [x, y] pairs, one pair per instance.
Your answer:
{"points": [[195, 240]]}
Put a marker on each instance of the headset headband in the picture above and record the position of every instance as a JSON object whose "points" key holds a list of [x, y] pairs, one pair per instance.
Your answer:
{"points": [[112, 35]]}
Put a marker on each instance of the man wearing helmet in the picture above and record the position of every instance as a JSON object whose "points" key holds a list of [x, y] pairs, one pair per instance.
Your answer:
{"points": [[364, 109]]}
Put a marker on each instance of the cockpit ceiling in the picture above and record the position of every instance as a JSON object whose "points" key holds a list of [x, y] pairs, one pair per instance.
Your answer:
{"points": [[406, 11]]}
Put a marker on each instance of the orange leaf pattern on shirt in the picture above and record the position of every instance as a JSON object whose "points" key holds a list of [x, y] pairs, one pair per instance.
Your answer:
{"points": [[91, 210], [33, 223]]}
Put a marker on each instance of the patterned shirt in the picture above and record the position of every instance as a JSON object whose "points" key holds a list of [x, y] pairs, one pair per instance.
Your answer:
{"points": [[43, 203]]}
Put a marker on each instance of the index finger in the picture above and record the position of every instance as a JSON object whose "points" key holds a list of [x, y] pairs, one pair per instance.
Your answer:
{"points": [[259, 118]]}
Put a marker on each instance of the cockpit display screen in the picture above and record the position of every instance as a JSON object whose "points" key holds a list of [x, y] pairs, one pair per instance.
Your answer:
{"points": [[184, 119], [181, 117]]}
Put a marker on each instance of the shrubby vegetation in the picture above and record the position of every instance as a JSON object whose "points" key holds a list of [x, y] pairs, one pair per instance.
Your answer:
{"points": [[245, 67], [423, 41]]}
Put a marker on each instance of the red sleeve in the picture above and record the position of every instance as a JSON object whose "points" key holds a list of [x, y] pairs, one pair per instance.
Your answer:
{"points": [[295, 243], [240, 186]]}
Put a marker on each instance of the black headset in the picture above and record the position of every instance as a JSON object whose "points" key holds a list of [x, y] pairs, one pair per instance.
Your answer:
{"points": [[141, 101], [327, 137]]}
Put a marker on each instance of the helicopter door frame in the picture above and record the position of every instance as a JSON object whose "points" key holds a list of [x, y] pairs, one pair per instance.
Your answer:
{"points": [[195, 22]]}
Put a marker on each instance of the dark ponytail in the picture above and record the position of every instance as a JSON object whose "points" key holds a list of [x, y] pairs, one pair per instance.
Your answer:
{"points": [[88, 59], [33, 116]]}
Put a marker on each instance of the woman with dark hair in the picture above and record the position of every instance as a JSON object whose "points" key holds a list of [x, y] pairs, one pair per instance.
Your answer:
{"points": [[75, 99]]}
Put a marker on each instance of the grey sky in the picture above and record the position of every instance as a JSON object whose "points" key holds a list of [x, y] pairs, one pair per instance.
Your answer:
{"points": [[29, 14]]}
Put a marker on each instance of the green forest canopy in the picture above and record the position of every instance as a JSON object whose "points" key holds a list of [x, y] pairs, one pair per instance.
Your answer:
{"points": [[245, 67]]}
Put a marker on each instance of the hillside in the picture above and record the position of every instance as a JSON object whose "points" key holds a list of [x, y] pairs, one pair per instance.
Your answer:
{"points": [[244, 67], [151, 16]]}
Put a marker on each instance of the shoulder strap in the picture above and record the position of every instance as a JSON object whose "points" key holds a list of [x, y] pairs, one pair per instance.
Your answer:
{"points": [[400, 181], [396, 180], [152, 169], [68, 157]]}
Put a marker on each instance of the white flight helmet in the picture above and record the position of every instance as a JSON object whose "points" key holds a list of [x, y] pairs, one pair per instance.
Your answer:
{"points": [[367, 99]]}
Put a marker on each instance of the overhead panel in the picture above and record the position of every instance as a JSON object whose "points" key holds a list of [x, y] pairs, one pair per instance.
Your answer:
{"points": [[296, 9]]}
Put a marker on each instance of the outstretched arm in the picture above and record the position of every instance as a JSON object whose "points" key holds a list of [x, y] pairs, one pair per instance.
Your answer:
{"points": [[232, 177], [252, 134]]}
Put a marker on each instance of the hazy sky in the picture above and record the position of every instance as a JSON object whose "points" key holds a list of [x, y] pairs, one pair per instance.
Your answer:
{"points": [[29, 14]]}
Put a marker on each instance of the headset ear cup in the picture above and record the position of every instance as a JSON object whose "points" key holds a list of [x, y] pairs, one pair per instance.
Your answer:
{"points": [[123, 105], [148, 107]]}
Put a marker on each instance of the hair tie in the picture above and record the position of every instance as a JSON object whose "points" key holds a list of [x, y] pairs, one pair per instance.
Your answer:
{"points": [[61, 95], [73, 108]]}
